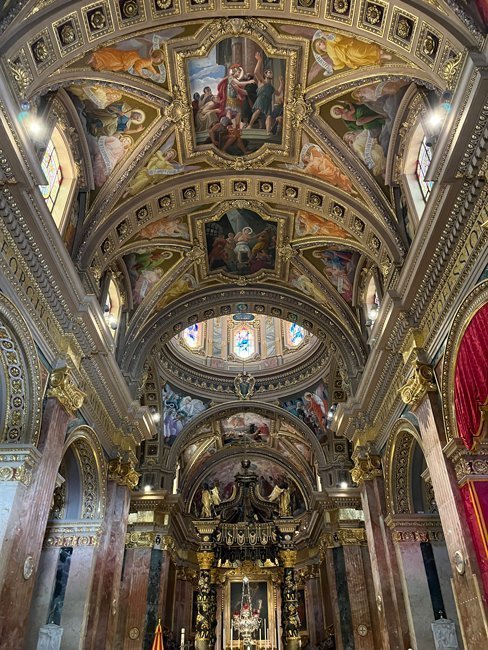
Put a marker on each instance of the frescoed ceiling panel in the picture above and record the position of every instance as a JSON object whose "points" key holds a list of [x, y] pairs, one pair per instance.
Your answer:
{"points": [[239, 162]]}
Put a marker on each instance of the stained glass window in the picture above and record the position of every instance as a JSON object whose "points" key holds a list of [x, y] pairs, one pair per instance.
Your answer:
{"points": [[52, 171], [295, 335], [423, 162], [193, 335], [244, 344]]}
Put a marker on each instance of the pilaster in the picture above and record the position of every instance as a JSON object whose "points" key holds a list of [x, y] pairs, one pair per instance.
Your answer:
{"points": [[466, 581], [393, 628], [29, 489]]}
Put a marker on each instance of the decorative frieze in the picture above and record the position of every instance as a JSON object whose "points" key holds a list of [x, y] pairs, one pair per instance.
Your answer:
{"points": [[415, 528], [343, 537], [71, 533]]}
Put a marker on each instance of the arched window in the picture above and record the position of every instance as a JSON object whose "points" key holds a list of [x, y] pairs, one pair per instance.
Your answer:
{"points": [[113, 307], [295, 335], [52, 171], [60, 171], [193, 335], [244, 344], [423, 162]]}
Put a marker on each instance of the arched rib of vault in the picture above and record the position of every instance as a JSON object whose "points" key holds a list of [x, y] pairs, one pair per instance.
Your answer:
{"points": [[206, 303], [378, 216], [193, 482], [36, 19], [191, 431]]}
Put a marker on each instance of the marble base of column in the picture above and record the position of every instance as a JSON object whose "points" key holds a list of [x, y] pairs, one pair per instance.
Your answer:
{"points": [[50, 637]]}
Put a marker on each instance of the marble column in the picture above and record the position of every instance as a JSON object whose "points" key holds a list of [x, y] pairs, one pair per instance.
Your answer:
{"points": [[362, 624], [314, 608], [204, 623], [472, 608], [289, 611], [77, 595], [393, 627], [104, 597], [332, 596], [29, 504]]}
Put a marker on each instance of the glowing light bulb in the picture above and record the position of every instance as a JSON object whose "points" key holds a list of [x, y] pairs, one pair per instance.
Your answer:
{"points": [[344, 485]]}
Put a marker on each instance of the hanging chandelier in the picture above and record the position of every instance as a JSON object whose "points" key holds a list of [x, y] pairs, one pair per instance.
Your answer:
{"points": [[248, 621]]}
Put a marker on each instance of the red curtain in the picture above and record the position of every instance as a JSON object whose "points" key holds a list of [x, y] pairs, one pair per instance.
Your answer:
{"points": [[475, 498], [471, 376]]}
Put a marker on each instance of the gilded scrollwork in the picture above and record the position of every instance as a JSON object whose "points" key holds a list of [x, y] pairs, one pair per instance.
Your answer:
{"points": [[123, 473]]}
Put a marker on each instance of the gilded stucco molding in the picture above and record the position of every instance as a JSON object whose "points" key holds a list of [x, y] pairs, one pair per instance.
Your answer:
{"points": [[468, 466], [73, 533], [342, 537], [18, 463]]}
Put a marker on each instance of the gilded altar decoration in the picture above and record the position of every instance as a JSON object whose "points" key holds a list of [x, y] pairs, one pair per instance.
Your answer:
{"points": [[64, 390], [244, 385]]}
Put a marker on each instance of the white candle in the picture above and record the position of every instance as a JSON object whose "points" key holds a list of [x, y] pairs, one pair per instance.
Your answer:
{"points": [[259, 635], [182, 639], [265, 632]]}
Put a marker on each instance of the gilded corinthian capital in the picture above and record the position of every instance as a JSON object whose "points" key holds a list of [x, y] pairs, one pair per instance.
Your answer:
{"points": [[420, 382], [123, 473], [367, 465], [205, 559], [63, 389]]}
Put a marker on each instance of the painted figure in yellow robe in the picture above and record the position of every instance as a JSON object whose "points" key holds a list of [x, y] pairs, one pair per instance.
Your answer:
{"points": [[334, 52], [115, 60]]}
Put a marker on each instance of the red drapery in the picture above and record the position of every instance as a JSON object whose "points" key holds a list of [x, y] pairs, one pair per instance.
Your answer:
{"points": [[471, 376]]}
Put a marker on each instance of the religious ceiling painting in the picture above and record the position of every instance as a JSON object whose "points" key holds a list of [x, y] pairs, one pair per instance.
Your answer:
{"points": [[146, 267], [113, 123], [364, 119], [184, 284], [168, 227], [272, 479], [338, 264], [237, 96], [161, 164], [241, 242], [308, 224], [312, 407], [291, 447], [317, 163], [245, 428], [332, 52], [306, 284], [178, 410]]}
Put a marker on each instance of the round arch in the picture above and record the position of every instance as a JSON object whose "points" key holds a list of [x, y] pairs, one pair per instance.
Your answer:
{"points": [[403, 462], [275, 301], [228, 455], [83, 447], [21, 378], [219, 412]]}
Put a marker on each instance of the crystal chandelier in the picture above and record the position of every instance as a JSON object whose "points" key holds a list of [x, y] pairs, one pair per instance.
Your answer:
{"points": [[248, 621]]}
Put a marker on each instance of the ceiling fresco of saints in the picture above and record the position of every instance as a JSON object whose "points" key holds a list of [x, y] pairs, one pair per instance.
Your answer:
{"points": [[113, 123], [237, 96], [241, 242]]}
